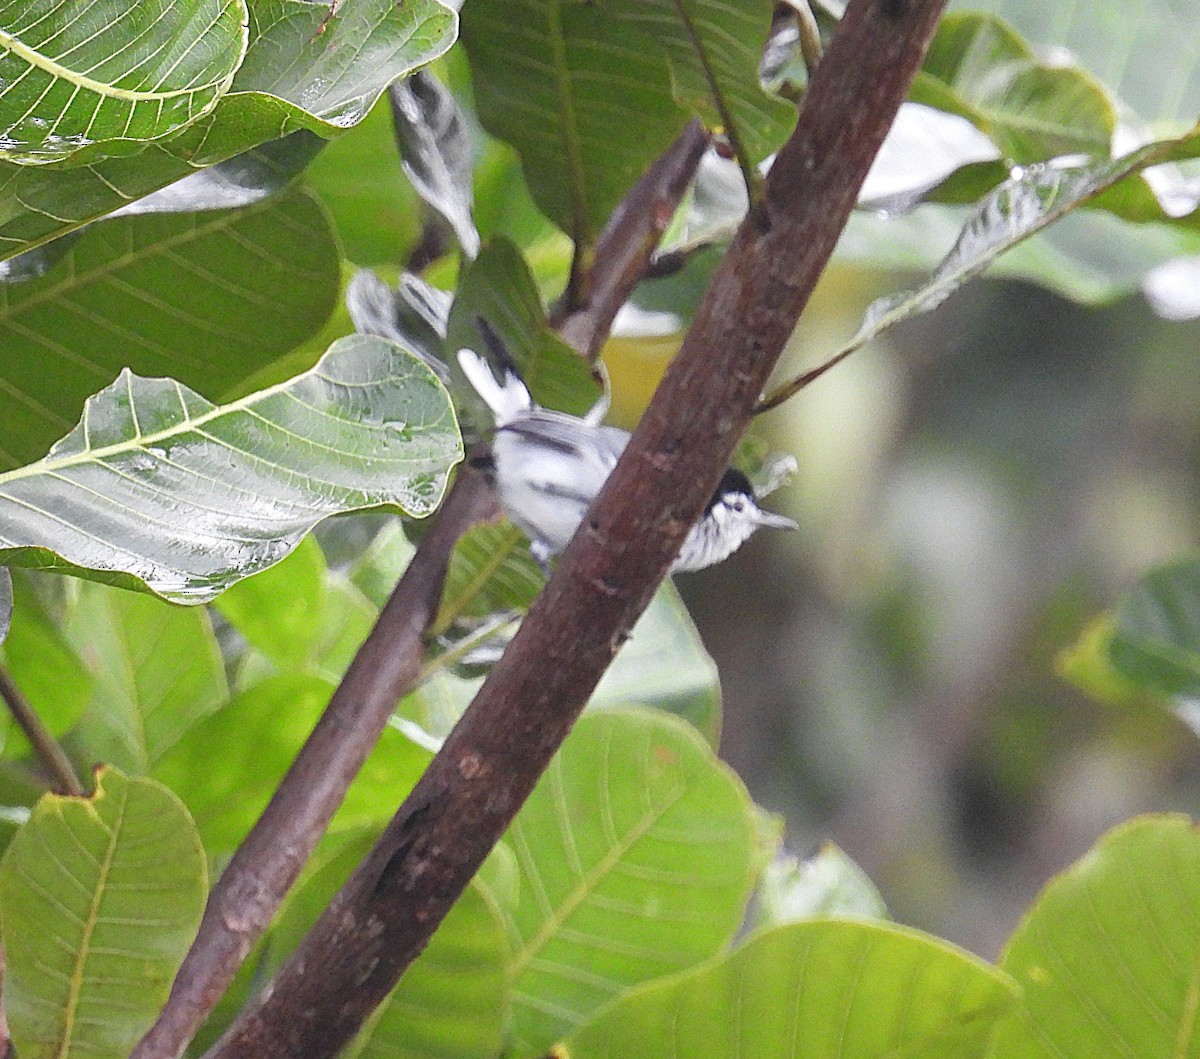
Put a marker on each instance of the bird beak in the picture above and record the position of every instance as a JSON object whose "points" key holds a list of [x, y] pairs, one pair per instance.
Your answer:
{"points": [[771, 520]]}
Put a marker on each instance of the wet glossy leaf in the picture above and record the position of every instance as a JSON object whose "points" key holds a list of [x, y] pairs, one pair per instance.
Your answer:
{"points": [[583, 98], [979, 67], [635, 853], [436, 151], [827, 885], [99, 897], [1156, 635], [1107, 956], [333, 78], [715, 49], [160, 488], [837, 990], [498, 286], [156, 671], [206, 298], [81, 82]]}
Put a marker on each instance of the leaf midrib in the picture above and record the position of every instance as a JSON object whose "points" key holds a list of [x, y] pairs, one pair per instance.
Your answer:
{"points": [[76, 988], [44, 62]]}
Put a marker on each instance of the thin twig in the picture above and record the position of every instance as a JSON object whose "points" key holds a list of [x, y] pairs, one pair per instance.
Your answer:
{"points": [[623, 252], [44, 744], [249, 891], [386, 912]]}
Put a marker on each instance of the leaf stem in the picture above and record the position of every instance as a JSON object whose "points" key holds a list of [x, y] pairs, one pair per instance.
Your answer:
{"points": [[53, 757]]}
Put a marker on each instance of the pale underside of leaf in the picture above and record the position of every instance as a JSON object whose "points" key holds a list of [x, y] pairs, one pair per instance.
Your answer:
{"points": [[159, 485]]}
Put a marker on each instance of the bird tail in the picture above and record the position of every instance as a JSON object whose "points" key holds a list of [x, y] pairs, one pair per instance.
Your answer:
{"points": [[507, 399]]}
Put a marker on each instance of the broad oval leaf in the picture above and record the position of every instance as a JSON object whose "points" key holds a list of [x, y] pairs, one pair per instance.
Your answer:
{"points": [[333, 77], [715, 49], [979, 67], [85, 80], [1156, 639], [99, 898], [1107, 956], [585, 101], [155, 670], [332, 62], [832, 989], [635, 854], [158, 488], [206, 298]]}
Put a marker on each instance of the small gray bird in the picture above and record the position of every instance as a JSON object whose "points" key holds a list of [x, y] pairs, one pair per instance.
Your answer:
{"points": [[548, 466]]}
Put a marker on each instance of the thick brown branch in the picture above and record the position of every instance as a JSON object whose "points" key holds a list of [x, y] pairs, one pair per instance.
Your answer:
{"points": [[64, 779], [249, 891], [387, 911], [264, 868], [628, 241]]}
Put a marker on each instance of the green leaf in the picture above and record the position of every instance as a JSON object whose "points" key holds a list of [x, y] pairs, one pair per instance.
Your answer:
{"points": [[207, 298], [583, 99], [1156, 637], [635, 852], [1087, 663], [227, 767], [491, 571], [334, 77], [1153, 70], [1019, 208], [664, 664], [43, 665], [827, 885], [1107, 956], [156, 670], [498, 286], [979, 67], [453, 1000], [376, 571], [80, 82], [833, 990], [99, 899], [715, 49], [333, 64], [159, 488], [279, 609]]}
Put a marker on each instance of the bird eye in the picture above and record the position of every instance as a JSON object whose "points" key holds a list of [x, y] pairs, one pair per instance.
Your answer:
{"points": [[738, 505]]}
